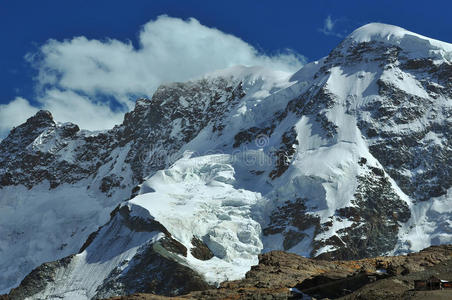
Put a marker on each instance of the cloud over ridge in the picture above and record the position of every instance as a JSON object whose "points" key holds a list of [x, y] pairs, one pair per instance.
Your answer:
{"points": [[93, 82]]}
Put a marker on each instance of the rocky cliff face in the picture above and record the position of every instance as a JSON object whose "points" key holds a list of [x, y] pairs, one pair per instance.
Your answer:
{"points": [[347, 158]]}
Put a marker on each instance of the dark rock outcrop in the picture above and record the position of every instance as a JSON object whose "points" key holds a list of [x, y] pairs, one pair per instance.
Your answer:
{"points": [[200, 249], [37, 280], [376, 214]]}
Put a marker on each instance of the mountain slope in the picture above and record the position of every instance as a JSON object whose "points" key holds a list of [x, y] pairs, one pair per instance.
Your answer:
{"points": [[349, 157]]}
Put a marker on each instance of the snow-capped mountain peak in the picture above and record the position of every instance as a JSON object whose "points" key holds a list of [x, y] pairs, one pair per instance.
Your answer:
{"points": [[414, 43], [347, 158]]}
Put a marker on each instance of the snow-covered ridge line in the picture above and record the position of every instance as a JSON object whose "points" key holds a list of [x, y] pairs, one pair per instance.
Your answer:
{"points": [[410, 41]]}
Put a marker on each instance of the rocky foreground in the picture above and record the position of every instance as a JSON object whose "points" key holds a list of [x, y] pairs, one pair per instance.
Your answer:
{"points": [[279, 274], [282, 275]]}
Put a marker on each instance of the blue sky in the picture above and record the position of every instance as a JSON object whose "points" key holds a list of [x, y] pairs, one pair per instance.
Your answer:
{"points": [[310, 29]]}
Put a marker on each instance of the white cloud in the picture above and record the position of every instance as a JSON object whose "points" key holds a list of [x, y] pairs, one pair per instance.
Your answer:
{"points": [[329, 24], [170, 49], [76, 76], [329, 27], [14, 113]]}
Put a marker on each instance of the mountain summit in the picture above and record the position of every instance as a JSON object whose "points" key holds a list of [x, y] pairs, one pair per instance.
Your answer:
{"points": [[350, 157], [397, 36]]}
